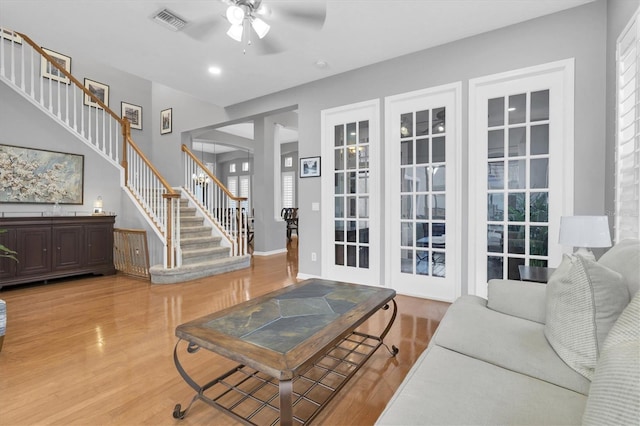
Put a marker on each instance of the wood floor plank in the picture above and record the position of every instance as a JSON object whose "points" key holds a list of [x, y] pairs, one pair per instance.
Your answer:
{"points": [[98, 350]]}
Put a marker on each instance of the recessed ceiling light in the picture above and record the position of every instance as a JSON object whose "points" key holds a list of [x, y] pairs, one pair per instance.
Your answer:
{"points": [[215, 70], [321, 64]]}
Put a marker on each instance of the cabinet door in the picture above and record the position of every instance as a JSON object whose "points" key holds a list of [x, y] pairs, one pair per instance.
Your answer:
{"points": [[67, 247], [33, 244], [7, 265], [99, 240]]}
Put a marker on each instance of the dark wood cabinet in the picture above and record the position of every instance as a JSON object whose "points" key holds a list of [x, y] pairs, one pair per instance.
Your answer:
{"points": [[56, 246]]}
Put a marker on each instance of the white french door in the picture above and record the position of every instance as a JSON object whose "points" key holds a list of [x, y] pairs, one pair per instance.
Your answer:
{"points": [[422, 152], [350, 193], [520, 170]]}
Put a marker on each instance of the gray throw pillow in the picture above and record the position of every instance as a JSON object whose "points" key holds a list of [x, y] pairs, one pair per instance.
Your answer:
{"points": [[584, 300], [614, 396]]}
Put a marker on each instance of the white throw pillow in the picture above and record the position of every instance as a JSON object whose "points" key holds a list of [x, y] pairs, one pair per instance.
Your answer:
{"points": [[614, 396], [584, 300]]}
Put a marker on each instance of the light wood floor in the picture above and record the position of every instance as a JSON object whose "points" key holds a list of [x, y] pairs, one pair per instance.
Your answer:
{"points": [[98, 350]]}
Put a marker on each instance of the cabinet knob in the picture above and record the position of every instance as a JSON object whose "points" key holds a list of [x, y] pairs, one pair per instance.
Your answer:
{"points": [[44, 249]]}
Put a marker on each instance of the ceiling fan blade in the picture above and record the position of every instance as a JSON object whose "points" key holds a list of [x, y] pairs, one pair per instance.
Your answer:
{"points": [[205, 29], [307, 14]]}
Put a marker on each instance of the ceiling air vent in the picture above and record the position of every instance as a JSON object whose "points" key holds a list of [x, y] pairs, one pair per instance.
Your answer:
{"points": [[169, 20]]}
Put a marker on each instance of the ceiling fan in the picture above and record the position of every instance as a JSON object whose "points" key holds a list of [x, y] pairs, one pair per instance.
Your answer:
{"points": [[278, 18]]}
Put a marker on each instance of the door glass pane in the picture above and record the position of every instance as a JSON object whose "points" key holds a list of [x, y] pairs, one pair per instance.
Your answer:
{"points": [[339, 135], [421, 182], [438, 153], [514, 272], [494, 267], [363, 261], [516, 207], [339, 159], [516, 239], [439, 123], [364, 232], [406, 206], [517, 108], [363, 157], [406, 153], [539, 207], [406, 236], [422, 151], [339, 210], [363, 182], [422, 234], [351, 134], [351, 231], [406, 261], [352, 187], [439, 173], [495, 177], [363, 132], [406, 125], [495, 207], [339, 254], [496, 143], [439, 207], [363, 207], [517, 174], [339, 230], [351, 207], [495, 238], [422, 206], [339, 183], [422, 262], [351, 256], [422, 123], [540, 173], [406, 179], [540, 139], [352, 154], [539, 240], [517, 142], [438, 260], [495, 112], [540, 105]]}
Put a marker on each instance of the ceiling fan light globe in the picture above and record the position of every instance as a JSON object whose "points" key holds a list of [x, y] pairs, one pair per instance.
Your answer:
{"points": [[260, 27], [235, 15], [235, 32]]}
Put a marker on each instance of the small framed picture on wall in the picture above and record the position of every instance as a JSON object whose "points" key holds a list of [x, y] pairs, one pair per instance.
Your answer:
{"points": [[309, 167], [99, 90], [133, 113], [50, 71], [166, 118]]}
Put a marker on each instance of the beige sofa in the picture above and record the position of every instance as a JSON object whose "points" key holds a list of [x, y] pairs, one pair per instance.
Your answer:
{"points": [[496, 361]]}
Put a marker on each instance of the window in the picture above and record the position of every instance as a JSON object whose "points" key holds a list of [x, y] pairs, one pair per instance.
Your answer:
{"points": [[288, 161], [245, 166], [288, 189], [232, 168], [627, 155], [244, 191]]}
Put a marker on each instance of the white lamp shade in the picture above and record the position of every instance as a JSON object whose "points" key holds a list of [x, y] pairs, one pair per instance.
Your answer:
{"points": [[235, 32], [261, 28], [235, 15], [584, 231]]}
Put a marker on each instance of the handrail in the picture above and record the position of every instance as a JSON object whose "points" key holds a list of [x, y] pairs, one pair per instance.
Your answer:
{"points": [[200, 164]]}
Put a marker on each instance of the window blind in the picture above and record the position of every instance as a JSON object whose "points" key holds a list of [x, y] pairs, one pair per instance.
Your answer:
{"points": [[627, 155], [288, 190], [244, 191]]}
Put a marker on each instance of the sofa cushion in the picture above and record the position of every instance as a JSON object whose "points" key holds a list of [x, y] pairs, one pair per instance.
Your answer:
{"points": [[615, 392], [448, 388], [584, 299], [624, 258], [506, 341]]}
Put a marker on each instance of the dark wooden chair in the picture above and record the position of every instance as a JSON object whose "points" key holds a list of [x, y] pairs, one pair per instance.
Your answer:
{"points": [[290, 216]]}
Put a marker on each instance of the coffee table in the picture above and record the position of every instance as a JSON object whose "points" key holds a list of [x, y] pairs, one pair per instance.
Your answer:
{"points": [[297, 347]]}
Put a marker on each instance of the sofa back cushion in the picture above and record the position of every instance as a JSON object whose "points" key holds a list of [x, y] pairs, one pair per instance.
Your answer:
{"points": [[614, 397], [584, 300], [624, 258]]}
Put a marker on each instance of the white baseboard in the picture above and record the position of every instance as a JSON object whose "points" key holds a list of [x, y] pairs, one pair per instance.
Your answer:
{"points": [[269, 253], [306, 276]]}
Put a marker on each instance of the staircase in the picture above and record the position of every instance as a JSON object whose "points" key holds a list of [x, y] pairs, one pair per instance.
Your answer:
{"points": [[202, 253], [189, 250]]}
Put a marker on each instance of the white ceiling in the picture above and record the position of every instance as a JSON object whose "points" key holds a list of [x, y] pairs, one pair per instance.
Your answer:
{"points": [[355, 33]]}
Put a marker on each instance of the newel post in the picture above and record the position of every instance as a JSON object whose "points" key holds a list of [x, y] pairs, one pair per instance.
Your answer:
{"points": [[126, 134], [171, 250]]}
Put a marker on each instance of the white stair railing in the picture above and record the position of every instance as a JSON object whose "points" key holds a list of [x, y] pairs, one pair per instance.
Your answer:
{"points": [[45, 82], [223, 208]]}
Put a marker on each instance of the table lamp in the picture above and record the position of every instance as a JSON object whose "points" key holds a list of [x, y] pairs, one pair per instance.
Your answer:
{"points": [[585, 232]]}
